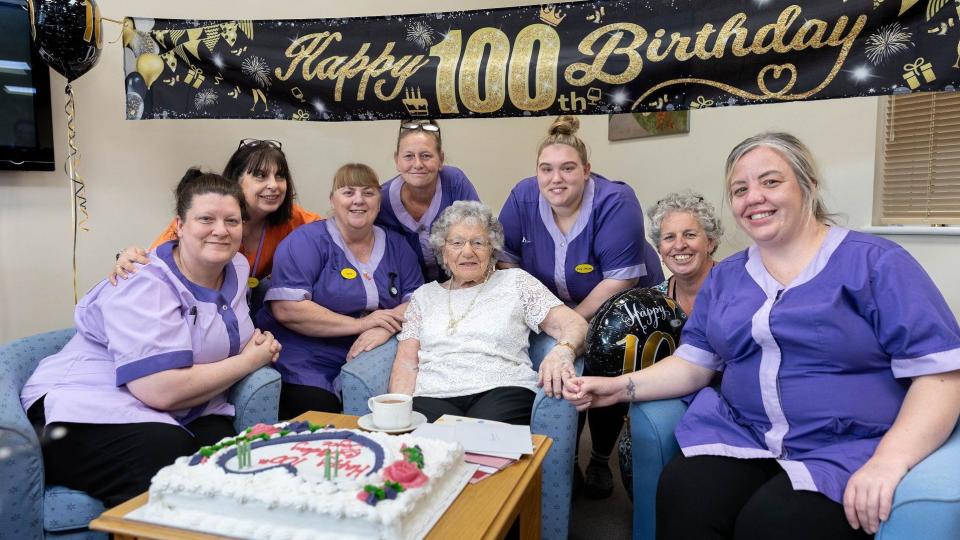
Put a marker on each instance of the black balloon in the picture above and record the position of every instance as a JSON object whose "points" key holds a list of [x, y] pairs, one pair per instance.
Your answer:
{"points": [[630, 331], [67, 34], [139, 98]]}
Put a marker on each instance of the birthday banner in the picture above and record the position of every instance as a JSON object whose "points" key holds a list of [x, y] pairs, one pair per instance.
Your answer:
{"points": [[597, 57]]}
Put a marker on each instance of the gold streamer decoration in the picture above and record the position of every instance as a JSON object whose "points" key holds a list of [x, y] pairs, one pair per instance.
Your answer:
{"points": [[78, 202]]}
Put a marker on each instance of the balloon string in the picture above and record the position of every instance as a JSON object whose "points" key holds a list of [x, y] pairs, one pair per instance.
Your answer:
{"points": [[71, 167], [102, 18]]}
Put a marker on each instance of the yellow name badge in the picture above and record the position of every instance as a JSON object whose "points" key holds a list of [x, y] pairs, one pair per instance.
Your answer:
{"points": [[583, 268], [348, 273], [253, 282]]}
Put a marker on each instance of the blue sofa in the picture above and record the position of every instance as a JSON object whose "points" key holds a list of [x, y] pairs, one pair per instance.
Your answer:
{"points": [[30, 510], [926, 504], [369, 374]]}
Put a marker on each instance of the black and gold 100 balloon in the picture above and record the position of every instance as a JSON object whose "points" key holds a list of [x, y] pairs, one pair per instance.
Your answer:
{"points": [[631, 331]]}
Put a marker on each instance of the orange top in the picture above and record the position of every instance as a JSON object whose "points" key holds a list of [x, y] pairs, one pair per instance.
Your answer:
{"points": [[271, 239]]}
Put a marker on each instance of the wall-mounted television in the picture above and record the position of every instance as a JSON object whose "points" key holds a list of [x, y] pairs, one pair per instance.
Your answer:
{"points": [[26, 133]]}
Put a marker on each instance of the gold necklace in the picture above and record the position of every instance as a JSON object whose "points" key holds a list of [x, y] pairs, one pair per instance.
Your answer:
{"points": [[454, 321]]}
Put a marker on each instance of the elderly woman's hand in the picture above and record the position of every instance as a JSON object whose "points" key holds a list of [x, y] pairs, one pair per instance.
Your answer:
{"points": [[869, 494], [368, 340], [556, 367], [124, 267], [586, 392]]}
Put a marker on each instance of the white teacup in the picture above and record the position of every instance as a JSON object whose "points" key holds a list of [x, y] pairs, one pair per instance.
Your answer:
{"points": [[391, 411]]}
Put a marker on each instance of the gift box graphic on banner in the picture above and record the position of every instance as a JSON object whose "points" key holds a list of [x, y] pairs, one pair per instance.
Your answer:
{"points": [[194, 77], [913, 72]]}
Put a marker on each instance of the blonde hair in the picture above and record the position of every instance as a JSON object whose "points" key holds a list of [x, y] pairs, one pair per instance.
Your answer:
{"points": [[563, 130], [354, 175], [801, 161], [405, 131]]}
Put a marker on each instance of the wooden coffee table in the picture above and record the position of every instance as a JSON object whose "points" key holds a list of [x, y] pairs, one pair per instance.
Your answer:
{"points": [[484, 510]]}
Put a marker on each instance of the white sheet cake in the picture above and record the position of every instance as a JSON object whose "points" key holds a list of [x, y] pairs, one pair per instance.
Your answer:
{"points": [[297, 480]]}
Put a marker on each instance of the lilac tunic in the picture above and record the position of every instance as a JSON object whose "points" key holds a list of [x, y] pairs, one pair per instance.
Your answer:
{"points": [[313, 263], [144, 325], [606, 242], [452, 185], [814, 372]]}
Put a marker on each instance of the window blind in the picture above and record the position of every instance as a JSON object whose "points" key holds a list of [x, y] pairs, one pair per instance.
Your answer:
{"points": [[920, 180]]}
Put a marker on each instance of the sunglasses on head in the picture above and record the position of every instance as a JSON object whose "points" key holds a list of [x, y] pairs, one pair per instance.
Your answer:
{"points": [[426, 126], [257, 142]]}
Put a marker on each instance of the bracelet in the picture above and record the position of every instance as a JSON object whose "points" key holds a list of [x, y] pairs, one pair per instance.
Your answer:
{"points": [[567, 344]]}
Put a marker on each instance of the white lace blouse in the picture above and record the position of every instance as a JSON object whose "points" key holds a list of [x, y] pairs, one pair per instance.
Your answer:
{"points": [[488, 347]]}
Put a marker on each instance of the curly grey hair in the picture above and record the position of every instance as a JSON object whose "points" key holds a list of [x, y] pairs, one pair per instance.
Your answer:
{"points": [[694, 204], [471, 212]]}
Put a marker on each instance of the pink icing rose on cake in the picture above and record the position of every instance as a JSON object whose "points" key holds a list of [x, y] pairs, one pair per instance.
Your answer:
{"points": [[404, 473], [261, 429]]}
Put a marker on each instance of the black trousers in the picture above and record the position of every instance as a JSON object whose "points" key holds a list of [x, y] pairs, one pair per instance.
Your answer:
{"points": [[713, 497], [296, 399], [115, 462], [510, 404], [605, 425]]}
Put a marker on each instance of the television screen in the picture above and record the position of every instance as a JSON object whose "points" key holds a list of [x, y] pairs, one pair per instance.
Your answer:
{"points": [[26, 141]]}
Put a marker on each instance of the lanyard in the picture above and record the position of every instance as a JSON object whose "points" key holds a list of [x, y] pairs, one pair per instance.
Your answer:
{"points": [[253, 281]]}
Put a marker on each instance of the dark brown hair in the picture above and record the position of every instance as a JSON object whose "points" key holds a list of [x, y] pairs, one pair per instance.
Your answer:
{"points": [[258, 157], [196, 182]]}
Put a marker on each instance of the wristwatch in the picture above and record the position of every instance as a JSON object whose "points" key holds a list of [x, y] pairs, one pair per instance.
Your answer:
{"points": [[567, 344]]}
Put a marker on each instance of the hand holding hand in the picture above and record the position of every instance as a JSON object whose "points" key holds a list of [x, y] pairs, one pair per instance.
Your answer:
{"points": [[368, 341], [587, 392], [556, 368], [869, 494], [124, 266]]}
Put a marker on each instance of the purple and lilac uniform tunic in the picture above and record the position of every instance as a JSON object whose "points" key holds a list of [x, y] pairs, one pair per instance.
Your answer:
{"points": [[154, 321], [313, 263], [814, 372], [452, 185], [606, 242]]}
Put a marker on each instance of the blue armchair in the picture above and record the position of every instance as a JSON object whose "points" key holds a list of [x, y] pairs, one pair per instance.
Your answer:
{"points": [[925, 505], [31, 510], [369, 374]]}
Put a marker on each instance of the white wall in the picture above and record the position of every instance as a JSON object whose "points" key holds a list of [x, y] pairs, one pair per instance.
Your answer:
{"points": [[131, 167]]}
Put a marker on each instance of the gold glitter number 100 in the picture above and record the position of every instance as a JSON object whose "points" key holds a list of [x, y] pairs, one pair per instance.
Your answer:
{"points": [[648, 355], [499, 77]]}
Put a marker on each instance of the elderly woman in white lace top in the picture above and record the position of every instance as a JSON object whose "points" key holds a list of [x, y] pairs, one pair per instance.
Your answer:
{"points": [[463, 348]]}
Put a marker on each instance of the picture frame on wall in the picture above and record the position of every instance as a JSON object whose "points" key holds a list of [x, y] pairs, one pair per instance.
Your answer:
{"points": [[650, 124]]}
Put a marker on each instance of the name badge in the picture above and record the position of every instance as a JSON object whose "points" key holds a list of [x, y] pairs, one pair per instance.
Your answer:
{"points": [[253, 282], [583, 268], [348, 273]]}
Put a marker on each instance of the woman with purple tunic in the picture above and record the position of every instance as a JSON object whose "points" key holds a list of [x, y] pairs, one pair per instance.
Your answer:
{"points": [[582, 236], [425, 187], [145, 378], [340, 287], [840, 364]]}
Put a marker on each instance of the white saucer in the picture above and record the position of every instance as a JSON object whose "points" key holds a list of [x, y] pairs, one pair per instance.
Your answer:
{"points": [[416, 420]]}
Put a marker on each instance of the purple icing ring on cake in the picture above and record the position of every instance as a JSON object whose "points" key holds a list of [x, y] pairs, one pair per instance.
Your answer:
{"points": [[370, 444]]}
